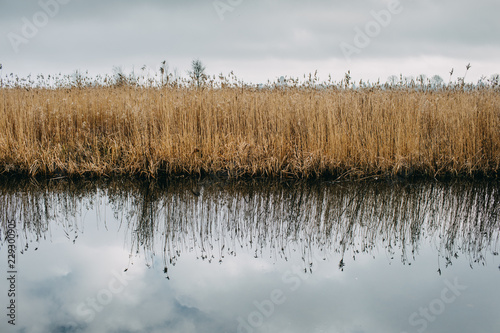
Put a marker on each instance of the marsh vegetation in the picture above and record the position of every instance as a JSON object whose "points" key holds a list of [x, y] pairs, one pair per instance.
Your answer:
{"points": [[206, 125]]}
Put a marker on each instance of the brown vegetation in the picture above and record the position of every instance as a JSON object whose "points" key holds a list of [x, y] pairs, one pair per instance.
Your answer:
{"points": [[244, 131]]}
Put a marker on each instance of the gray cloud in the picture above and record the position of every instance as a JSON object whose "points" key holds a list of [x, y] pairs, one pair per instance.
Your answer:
{"points": [[96, 34]]}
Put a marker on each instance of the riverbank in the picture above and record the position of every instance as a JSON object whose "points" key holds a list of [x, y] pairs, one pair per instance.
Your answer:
{"points": [[249, 132]]}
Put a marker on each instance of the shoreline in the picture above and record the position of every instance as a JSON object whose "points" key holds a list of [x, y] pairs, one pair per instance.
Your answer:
{"points": [[224, 177]]}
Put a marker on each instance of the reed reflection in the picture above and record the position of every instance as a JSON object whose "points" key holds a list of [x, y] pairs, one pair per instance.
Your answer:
{"points": [[215, 219]]}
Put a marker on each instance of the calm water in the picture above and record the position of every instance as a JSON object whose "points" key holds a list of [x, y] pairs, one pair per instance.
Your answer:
{"points": [[252, 257]]}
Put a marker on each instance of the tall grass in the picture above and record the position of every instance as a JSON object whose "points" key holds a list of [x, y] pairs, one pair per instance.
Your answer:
{"points": [[239, 130]]}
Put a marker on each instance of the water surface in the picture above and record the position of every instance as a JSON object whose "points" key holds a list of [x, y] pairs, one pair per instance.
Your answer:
{"points": [[215, 256]]}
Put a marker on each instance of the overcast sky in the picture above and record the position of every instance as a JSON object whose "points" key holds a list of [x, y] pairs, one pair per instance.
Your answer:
{"points": [[257, 39]]}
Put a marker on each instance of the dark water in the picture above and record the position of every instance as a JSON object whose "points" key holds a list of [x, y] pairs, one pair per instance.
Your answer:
{"points": [[251, 257]]}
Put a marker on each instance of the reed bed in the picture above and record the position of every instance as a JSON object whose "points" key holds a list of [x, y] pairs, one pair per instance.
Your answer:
{"points": [[244, 131]]}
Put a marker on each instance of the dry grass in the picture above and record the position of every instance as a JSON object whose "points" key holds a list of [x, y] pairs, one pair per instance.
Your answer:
{"points": [[292, 132]]}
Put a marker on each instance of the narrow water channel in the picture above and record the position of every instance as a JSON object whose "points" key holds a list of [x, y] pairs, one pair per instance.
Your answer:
{"points": [[215, 256]]}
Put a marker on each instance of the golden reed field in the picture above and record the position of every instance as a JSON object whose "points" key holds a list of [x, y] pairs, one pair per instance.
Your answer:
{"points": [[242, 132]]}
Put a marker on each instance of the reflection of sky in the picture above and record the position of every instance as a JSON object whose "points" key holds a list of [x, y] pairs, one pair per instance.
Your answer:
{"points": [[372, 294]]}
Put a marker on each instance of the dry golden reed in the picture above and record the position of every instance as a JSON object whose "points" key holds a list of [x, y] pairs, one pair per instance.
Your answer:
{"points": [[289, 132]]}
